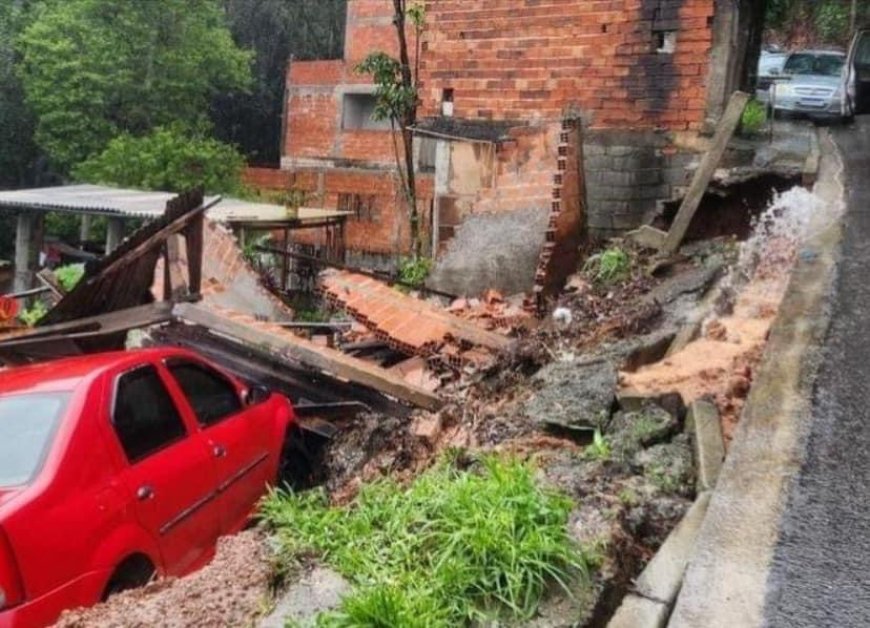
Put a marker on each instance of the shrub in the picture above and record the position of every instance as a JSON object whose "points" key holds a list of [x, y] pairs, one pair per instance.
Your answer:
{"points": [[753, 119], [455, 548], [414, 272], [611, 266], [32, 315], [69, 276]]}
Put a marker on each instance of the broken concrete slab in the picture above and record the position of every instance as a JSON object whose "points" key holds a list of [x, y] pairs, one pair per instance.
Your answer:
{"points": [[669, 467], [316, 592], [633, 401], [705, 427], [574, 395], [631, 432]]}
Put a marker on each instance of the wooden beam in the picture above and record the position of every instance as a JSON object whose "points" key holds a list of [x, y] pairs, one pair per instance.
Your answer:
{"points": [[725, 129], [304, 352]]}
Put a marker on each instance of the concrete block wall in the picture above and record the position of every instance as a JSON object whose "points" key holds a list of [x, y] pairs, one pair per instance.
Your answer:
{"points": [[628, 173]]}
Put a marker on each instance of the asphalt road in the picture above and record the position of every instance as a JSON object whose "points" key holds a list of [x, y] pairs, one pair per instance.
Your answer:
{"points": [[821, 568]]}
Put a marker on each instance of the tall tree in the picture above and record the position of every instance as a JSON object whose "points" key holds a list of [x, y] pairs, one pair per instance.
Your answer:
{"points": [[276, 30], [94, 69], [397, 91]]}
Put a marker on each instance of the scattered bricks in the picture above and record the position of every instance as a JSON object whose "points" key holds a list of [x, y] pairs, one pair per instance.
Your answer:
{"points": [[702, 422], [428, 428]]}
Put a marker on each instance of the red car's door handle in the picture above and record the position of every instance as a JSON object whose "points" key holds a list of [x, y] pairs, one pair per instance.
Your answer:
{"points": [[219, 451], [144, 493]]}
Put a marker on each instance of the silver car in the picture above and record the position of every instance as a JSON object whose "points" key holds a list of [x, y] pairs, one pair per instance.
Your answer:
{"points": [[811, 83]]}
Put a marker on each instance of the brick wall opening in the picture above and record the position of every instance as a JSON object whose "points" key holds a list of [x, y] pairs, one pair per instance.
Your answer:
{"points": [[358, 113]]}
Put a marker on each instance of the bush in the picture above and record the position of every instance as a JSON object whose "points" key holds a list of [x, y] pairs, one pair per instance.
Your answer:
{"points": [[609, 267], [69, 276], [32, 315], [753, 119], [455, 548], [414, 272], [172, 159]]}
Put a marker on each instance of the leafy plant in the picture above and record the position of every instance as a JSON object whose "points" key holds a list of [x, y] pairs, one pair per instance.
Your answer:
{"points": [[753, 119], [414, 272], [455, 548], [173, 158], [32, 315], [69, 276], [609, 267], [599, 448]]}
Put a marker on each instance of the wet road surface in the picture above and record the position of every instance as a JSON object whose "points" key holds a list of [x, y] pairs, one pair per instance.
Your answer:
{"points": [[821, 569]]}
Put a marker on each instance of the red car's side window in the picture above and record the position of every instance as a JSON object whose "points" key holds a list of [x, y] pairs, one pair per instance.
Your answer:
{"points": [[211, 396], [144, 416]]}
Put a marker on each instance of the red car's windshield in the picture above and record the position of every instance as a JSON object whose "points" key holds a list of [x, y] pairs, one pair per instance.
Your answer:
{"points": [[27, 426]]}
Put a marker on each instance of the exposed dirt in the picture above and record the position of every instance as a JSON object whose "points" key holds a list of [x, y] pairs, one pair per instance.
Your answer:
{"points": [[230, 592]]}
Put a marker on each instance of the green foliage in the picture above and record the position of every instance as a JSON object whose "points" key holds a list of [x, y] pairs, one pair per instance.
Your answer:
{"points": [[394, 98], [32, 315], [609, 267], [95, 69], [414, 272], [69, 276], [832, 21], [276, 30], [455, 548], [599, 448], [170, 158], [754, 118]]}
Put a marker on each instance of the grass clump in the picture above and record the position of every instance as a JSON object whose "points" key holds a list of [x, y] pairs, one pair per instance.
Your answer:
{"points": [[599, 448], [753, 119], [415, 272], [610, 266], [456, 547], [35, 313]]}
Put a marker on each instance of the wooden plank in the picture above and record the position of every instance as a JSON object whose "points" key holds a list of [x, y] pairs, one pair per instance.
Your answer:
{"points": [[726, 128], [305, 352]]}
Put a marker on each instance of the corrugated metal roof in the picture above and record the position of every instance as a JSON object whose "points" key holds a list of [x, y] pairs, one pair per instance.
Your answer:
{"points": [[98, 199]]}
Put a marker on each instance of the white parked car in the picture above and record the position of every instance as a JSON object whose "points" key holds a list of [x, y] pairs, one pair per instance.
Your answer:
{"points": [[812, 83]]}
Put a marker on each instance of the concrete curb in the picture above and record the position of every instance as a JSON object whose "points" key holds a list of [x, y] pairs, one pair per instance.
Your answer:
{"points": [[810, 172], [655, 590], [725, 584], [705, 426]]}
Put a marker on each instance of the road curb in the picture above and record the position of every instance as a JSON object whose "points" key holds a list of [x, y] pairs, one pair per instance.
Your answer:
{"points": [[725, 584]]}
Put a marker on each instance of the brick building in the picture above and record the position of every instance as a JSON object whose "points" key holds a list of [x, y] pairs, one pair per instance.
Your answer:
{"points": [[621, 92]]}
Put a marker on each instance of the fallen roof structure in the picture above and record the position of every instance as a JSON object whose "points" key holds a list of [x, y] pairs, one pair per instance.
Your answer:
{"points": [[410, 325]]}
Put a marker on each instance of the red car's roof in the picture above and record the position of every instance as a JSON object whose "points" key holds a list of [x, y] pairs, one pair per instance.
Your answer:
{"points": [[67, 374]]}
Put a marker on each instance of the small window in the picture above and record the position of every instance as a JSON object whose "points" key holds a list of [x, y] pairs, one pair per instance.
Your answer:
{"points": [[358, 111], [665, 41], [363, 207], [145, 417], [211, 396]]}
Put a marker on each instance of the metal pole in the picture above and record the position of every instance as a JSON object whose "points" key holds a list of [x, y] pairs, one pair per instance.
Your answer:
{"points": [[23, 254]]}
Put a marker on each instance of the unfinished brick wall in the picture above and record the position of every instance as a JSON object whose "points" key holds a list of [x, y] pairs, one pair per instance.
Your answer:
{"points": [[521, 60], [383, 227]]}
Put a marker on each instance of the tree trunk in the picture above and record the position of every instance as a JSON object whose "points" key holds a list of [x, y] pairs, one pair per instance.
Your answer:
{"points": [[407, 124]]}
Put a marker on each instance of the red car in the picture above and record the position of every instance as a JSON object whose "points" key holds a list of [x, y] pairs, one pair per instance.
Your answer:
{"points": [[117, 466]]}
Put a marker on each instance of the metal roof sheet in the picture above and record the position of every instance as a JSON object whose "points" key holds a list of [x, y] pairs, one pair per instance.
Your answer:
{"points": [[98, 199]]}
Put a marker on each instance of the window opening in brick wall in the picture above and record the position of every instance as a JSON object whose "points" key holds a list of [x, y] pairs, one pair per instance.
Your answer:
{"points": [[447, 102], [358, 111], [362, 206], [665, 41]]}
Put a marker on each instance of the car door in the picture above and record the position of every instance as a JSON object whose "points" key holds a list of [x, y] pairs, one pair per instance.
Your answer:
{"points": [[169, 472], [236, 439], [859, 72]]}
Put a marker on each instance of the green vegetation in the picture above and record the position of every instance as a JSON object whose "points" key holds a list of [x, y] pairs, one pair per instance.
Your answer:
{"points": [[599, 448], [95, 69], [69, 276], [414, 272], [753, 119], [814, 21], [454, 548], [609, 267], [32, 315], [170, 158]]}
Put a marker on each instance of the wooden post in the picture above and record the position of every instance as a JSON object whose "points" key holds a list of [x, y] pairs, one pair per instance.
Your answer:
{"points": [[725, 129], [285, 260], [114, 234], [24, 252]]}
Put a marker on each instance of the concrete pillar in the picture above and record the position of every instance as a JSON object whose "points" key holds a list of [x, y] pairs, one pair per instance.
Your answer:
{"points": [[24, 252], [114, 234], [85, 233]]}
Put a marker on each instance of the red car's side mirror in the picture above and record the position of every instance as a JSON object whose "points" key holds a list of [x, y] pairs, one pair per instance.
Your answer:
{"points": [[257, 394]]}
